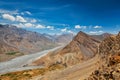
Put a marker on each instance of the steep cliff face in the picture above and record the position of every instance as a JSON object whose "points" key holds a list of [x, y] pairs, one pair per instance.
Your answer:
{"points": [[109, 51]]}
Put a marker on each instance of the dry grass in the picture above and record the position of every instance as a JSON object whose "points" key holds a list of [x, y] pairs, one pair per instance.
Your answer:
{"points": [[28, 74]]}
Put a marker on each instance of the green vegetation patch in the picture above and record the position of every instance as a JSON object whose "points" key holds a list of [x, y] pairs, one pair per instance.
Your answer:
{"points": [[11, 53]]}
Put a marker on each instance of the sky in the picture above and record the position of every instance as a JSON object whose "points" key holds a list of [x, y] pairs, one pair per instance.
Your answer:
{"points": [[62, 16]]}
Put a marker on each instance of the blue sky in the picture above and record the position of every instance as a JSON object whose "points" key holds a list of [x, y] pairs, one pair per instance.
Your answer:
{"points": [[62, 16]]}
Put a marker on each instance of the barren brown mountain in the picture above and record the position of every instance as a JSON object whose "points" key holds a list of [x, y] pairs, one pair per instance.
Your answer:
{"points": [[81, 48], [16, 41], [84, 55]]}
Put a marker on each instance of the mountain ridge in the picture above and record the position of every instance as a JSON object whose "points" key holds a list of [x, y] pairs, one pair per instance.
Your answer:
{"points": [[82, 47], [65, 63], [16, 41]]}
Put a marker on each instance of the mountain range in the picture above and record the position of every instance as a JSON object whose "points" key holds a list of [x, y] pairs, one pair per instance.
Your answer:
{"points": [[104, 48], [81, 48], [16, 42], [85, 57]]}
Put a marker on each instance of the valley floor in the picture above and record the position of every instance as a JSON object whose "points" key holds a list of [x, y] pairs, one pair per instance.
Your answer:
{"points": [[19, 63]]}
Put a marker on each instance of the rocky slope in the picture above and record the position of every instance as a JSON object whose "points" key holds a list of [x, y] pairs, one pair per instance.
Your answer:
{"points": [[16, 41], [109, 69], [106, 63], [81, 48]]}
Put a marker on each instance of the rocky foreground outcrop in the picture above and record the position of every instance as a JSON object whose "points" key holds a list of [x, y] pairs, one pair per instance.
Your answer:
{"points": [[109, 51]]}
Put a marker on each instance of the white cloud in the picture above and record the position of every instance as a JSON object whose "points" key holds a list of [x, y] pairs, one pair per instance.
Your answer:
{"points": [[20, 19], [96, 32], [22, 13], [93, 32], [23, 25], [28, 25], [40, 26], [27, 12], [97, 27], [50, 27], [64, 25], [33, 20], [3, 11], [84, 27], [100, 31], [8, 17], [77, 26], [64, 30], [20, 25], [80, 27], [70, 31]]}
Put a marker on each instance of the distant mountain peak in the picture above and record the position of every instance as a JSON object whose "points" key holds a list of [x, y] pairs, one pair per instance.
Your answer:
{"points": [[106, 34], [81, 36], [82, 33]]}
